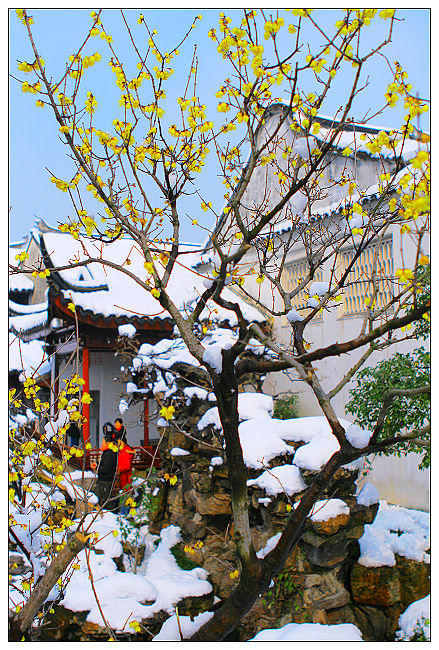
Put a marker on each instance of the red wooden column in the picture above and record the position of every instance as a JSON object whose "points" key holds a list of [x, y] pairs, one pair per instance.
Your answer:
{"points": [[86, 407], [145, 423]]}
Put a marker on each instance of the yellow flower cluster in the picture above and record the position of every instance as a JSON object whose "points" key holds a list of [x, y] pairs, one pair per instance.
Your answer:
{"points": [[23, 66], [30, 387], [90, 103], [171, 478], [89, 61], [31, 88], [272, 28], [191, 549], [167, 412], [20, 13], [41, 274], [135, 625], [404, 275], [387, 13], [316, 64]]}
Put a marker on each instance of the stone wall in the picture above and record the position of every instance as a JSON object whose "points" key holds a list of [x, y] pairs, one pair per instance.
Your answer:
{"points": [[321, 582]]}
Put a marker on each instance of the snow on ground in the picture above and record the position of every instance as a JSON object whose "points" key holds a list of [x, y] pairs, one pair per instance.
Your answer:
{"points": [[311, 632], [170, 630], [395, 530], [415, 618], [122, 595]]}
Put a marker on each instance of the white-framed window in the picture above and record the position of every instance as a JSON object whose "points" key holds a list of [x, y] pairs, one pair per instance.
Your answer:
{"points": [[293, 274], [377, 256]]}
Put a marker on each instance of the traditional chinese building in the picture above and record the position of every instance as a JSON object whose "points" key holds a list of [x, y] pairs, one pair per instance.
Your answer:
{"points": [[90, 313]]}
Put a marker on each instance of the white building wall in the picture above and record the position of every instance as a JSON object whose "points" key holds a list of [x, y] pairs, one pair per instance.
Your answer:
{"points": [[398, 479], [104, 369]]}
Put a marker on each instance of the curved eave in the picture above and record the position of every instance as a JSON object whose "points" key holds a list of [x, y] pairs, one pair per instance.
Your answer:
{"points": [[87, 317], [59, 281], [277, 108], [37, 332]]}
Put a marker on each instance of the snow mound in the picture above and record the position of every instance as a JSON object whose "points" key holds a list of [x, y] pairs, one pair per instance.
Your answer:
{"points": [[311, 632], [159, 580], [415, 618], [293, 316], [395, 530], [170, 632], [264, 437], [357, 436], [177, 451], [285, 478], [368, 495], [250, 406], [328, 509]]}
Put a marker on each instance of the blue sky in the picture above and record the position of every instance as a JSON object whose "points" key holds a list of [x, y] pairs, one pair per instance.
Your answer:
{"points": [[35, 150]]}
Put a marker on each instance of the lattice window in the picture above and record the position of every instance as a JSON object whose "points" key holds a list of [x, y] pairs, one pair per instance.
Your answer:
{"points": [[359, 286], [293, 274]]}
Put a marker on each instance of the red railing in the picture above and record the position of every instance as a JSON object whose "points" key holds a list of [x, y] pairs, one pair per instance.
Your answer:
{"points": [[142, 459]]}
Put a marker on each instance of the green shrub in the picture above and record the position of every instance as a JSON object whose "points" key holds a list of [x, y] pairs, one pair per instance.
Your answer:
{"points": [[400, 371], [286, 407]]}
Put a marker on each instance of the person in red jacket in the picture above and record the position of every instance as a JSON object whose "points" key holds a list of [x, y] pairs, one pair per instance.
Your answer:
{"points": [[125, 459]]}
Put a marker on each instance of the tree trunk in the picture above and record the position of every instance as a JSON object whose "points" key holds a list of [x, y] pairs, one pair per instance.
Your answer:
{"points": [[251, 586], [22, 622]]}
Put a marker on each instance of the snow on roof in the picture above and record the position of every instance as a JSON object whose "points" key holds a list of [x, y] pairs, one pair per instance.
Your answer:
{"points": [[30, 358], [26, 322], [369, 194], [350, 137], [16, 308], [351, 134], [119, 294], [405, 147], [20, 282]]}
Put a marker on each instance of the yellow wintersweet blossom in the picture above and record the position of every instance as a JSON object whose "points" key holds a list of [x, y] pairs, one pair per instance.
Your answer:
{"points": [[387, 13], [167, 412], [171, 478]]}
